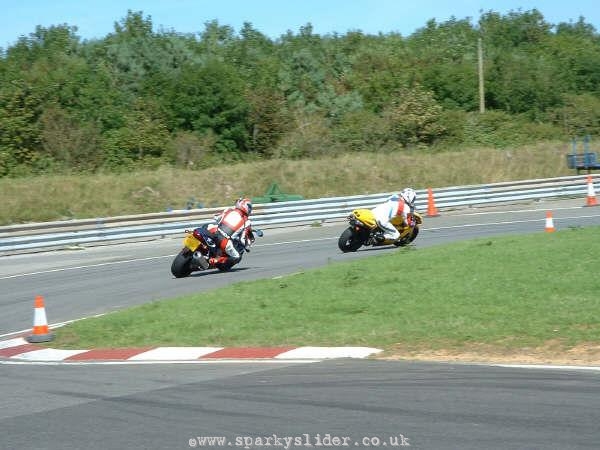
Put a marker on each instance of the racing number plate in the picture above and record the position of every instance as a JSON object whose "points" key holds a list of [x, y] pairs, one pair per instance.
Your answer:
{"points": [[191, 242]]}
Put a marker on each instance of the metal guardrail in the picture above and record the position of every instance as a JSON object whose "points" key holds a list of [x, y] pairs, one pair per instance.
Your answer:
{"points": [[61, 234]]}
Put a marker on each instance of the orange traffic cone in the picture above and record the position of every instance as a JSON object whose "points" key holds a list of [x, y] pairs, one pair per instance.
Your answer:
{"points": [[431, 209], [549, 222], [591, 195], [40, 324]]}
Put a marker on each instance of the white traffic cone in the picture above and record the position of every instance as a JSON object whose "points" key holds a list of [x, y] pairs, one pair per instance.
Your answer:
{"points": [[40, 332], [549, 222], [591, 195]]}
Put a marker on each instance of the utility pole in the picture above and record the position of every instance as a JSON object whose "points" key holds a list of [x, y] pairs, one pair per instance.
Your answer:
{"points": [[480, 65]]}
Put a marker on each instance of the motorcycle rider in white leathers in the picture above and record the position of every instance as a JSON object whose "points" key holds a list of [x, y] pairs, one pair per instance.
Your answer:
{"points": [[396, 205]]}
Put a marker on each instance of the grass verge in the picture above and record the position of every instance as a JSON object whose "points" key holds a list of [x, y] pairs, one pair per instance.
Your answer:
{"points": [[504, 293], [64, 197]]}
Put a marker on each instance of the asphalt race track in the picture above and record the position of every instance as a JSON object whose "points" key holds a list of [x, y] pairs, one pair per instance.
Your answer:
{"points": [[426, 406], [334, 404]]}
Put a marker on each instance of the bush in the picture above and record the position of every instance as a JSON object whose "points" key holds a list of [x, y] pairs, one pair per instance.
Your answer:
{"points": [[362, 131], [72, 145], [310, 138], [500, 129], [580, 115], [187, 150], [414, 117]]}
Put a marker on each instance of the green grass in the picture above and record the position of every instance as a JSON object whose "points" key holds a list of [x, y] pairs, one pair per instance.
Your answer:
{"points": [[504, 292]]}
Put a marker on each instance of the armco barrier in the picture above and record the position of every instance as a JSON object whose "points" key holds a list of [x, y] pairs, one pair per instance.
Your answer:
{"points": [[37, 236]]}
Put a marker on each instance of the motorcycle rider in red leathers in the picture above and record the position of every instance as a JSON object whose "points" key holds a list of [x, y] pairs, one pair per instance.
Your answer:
{"points": [[232, 224]]}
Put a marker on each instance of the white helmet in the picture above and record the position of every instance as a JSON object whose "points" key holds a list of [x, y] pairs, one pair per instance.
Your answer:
{"points": [[409, 196]]}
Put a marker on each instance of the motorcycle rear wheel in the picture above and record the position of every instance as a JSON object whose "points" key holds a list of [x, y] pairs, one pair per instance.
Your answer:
{"points": [[349, 241], [181, 266]]}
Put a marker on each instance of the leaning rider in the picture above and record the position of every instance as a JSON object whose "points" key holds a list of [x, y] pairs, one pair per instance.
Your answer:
{"points": [[232, 224], [396, 205]]}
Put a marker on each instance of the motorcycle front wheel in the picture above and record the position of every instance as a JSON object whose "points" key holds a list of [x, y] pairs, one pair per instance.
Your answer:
{"points": [[349, 241], [408, 239], [224, 267], [181, 266]]}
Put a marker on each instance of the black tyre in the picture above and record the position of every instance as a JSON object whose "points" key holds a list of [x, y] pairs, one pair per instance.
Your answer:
{"points": [[181, 266], [414, 234], [408, 239], [224, 267], [349, 241]]}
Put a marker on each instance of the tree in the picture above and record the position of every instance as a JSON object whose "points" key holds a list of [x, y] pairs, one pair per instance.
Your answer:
{"points": [[513, 30], [74, 146], [379, 68], [37, 71], [579, 116], [142, 139], [20, 108], [576, 58], [446, 62], [208, 98]]}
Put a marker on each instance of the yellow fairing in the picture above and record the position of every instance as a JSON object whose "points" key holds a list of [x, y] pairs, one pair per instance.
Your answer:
{"points": [[365, 216], [397, 222]]}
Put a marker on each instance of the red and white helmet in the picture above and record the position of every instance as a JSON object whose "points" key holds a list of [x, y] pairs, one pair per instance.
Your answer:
{"points": [[244, 205]]}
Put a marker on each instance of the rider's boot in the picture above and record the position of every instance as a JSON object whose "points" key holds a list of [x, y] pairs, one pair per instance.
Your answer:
{"points": [[379, 237], [214, 261]]}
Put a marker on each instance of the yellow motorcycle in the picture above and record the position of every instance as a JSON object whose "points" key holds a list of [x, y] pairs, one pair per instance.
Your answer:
{"points": [[363, 230]]}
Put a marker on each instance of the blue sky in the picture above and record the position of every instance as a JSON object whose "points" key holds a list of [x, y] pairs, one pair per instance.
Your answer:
{"points": [[95, 19]]}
